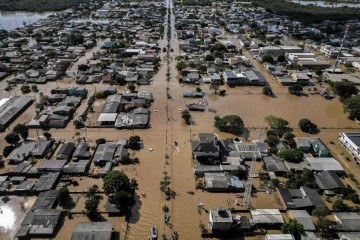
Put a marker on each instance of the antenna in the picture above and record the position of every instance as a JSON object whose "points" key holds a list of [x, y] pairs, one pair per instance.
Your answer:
{"points": [[341, 46]]}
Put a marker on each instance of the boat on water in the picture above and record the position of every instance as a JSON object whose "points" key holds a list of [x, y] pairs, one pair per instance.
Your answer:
{"points": [[154, 233]]}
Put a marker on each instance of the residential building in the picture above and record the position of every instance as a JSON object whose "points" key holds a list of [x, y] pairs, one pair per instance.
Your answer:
{"points": [[206, 146], [304, 198], [220, 219], [219, 182], [351, 141]]}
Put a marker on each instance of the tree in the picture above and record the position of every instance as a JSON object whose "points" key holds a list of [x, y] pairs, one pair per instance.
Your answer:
{"points": [[25, 89], [281, 58], [76, 38], [134, 142], [100, 141], [291, 155], [22, 130], [320, 211], [120, 189], [47, 135], [229, 123], [116, 181], [7, 150], [83, 67], [214, 88], [34, 88], [222, 92], [276, 122], [185, 114], [267, 58], [323, 225], [267, 91], [344, 89], [12, 138], [352, 106], [209, 58], [92, 202], [180, 66], [131, 87], [339, 205], [307, 126], [62, 195], [293, 227], [120, 79], [295, 89], [198, 90], [241, 173], [78, 124]]}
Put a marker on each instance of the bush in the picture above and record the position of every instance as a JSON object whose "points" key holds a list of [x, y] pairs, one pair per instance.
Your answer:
{"points": [[25, 89], [185, 114], [7, 150], [134, 142], [352, 106], [307, 126], [295, 89], [100, 141], [344, 89], [267, 58]]}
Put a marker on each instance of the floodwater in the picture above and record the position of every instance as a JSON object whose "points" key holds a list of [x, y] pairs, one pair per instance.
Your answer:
{"points": [[328, 4], [10, 20]]}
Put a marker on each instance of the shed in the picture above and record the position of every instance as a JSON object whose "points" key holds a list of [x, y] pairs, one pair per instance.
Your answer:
{"points": [[303, 217], [93, 231]]}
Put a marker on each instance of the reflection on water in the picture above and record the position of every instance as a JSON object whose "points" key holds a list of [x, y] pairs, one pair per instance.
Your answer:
{"points": [[7, 217], [12, 20], [327, 4]]}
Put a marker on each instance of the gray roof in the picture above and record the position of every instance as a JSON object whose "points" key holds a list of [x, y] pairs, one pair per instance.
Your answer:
{"points": [[82, 150], [328, 180], [12, 107], [93, 231], [104, 152], [275, 164], [300, 198], [221, 215], [51, 165], [303, 217], [325, 164], [76, 167], [66, 150], [22, 152], [46, 182], [41, 147], [349, 221]]}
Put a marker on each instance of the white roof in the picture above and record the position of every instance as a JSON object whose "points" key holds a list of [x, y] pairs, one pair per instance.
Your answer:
{"points": [[3, 101], [279, 237], [270, 216], [107, 117]]}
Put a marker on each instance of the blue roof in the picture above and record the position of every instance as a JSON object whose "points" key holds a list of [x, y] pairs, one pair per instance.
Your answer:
{"points": [[236, 182]]}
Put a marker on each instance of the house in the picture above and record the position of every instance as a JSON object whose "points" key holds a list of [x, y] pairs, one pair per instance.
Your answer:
{"points": [[314, 145], [12, 107], [104, 153], [351, 141], [201, 169], [46, 182], [325, 164], [267, 217], [347, 221], [220, 219], [275, 165], [304, 218], [300, 78], [82, 151], [222, 182], [51, 165], [206, 146], [328, 180], [93, 231], [41, 147], [79, 167], [215, 79], [304, 198], [22, 152], [192, 77], [66, 150]]}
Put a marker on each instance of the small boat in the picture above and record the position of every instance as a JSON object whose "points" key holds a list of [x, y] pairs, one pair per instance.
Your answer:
{"points": [[174, 235], [167, 218], [190, 192], [143, 194], [151, 150], [154, 232]]}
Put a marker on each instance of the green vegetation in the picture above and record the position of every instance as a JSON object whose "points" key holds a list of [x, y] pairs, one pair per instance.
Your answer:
{"points": [[92, 202], [295, 89], [25, 89], [267, 91], [344, 89], [22, 130], [307, 126], [291, 155], [296, 180], [352, 106], [293, 227], [100, 141], [39, 5], [241, 173], [134, 142], [12, 138], [320, 211], [229, 123], [62, 195], [185, 114], [307, 14], [339, 205], [120, 189]]}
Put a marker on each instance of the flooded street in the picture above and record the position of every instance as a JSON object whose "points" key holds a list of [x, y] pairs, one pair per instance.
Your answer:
{"points": [[12, 20]]}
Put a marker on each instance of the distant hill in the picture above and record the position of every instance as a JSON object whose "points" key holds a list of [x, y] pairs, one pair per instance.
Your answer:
{"points": [[38, 5]]}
